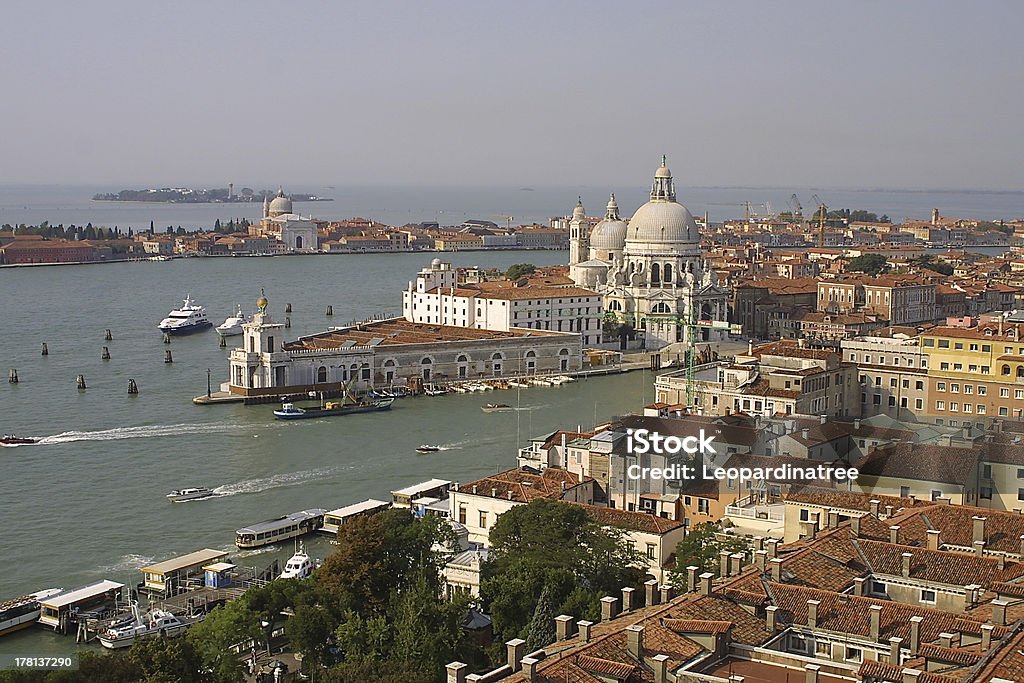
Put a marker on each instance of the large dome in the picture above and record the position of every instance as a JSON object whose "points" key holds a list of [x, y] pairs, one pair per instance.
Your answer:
{"points": [[281, 204], [610, 233], [662, 219]]}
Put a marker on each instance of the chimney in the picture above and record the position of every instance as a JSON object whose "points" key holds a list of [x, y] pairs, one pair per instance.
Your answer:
{"points": [[758, 543], [907, 557], [856, 423], [1000, 562], [509, 494], [776, 569], [750, 347], [999, 612], [855, 526], [822, 418], [457, 672], [812, 613], [772, 545], [934, 540], [635, 641], [530, 668], [494, 492], [946, 639], [585, 627], [761, 559], [627, 599], [723, 564], [833, 519], [770, 617], [668, 592], [651, 587], [811, 675], [986, 637], [858, 586], [911, 675], [979, 529], [874, 507], [1022, 545], [474, 488], [660, 665], [705, 583], [894, 650], [563, 627], [609, 608], [915, 634], [979, 548], [514, 651], [805, 434], [894, 534], [889, 509], [735, 563], [875, 612]]}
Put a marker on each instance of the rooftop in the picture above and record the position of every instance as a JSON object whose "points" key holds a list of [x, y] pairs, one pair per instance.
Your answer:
{"points": [[398, 331]]}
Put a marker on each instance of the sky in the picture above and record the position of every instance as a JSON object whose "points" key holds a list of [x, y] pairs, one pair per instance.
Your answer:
{"points": [[865, 94]]}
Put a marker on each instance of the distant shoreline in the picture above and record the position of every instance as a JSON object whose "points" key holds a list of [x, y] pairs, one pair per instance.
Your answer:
{"points": [[200, 201]]}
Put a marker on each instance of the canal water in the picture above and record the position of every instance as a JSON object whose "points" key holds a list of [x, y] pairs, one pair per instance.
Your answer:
{"points": [[87, 502]]}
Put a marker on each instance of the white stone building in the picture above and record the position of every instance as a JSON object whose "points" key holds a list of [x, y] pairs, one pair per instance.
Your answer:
{"points": [[296, 233]]}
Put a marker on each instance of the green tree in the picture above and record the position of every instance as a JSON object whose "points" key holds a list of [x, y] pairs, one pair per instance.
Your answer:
{"points": [[310, 631], [542, 626], [701, 548], [224, 627], [872, 264], [519, 270], [166, 660]]}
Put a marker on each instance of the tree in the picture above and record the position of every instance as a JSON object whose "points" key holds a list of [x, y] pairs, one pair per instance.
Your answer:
{"points": [[310, 631], [872, 264], [542, 627], [701, 548], [519, 270], [223, 628]]}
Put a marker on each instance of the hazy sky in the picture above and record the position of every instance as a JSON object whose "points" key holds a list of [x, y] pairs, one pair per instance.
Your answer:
{"points": [[859, 94]]}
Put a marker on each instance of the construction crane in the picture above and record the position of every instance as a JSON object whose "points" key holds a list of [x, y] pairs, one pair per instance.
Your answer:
{"points": [[795, 210], [822, 212], [508, 219]]}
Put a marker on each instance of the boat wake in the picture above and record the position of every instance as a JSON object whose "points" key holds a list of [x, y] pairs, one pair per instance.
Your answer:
{"points": [[127, 563], [273, 482], [140, 432]]}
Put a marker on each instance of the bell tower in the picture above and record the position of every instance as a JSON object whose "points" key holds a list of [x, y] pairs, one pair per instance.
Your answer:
{"points": [[579, 234]]}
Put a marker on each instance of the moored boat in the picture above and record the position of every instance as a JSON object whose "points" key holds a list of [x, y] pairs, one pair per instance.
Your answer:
{"points": [[299, 566], [232, 326], [22, 612], [155, 622], [190, 318], [281, 529], [290, 411]]}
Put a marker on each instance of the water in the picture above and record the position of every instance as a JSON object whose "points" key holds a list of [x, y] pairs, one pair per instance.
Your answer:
{"points": [[32, 205], [87, 502]]}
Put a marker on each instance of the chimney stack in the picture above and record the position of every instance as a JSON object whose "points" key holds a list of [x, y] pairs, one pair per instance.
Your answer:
{"points": [[858, 586], [770, 617], [875, 612], [979, 548], [855, 526], [1022, 545], [668, 592], [776, 569], [911, 675], [986, 637], [823, 418], [609, 608], [635, 641], [889, 509], [735, 564], [651, 587], [772, 546], [915, 634], [627, 599], [999, 612], [894, 534], [934, 540], [761, 559], [811, 675], [660, 665], [457, 672], [723, 564], [530, 669], [979, 529], [563, 627], [812, 613], [705, 583], [833, 519], [585, 627], [894, 650], [874, 507], [514, 651], [907, 557]]}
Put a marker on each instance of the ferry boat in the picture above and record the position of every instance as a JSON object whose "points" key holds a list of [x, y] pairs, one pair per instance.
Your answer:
{"points": [[281, 529], [12, 440], [290, 411], [155, 622], [191, 317], [22, 612], [182, 495], [496, 407], [232, 326], [299, 566]]}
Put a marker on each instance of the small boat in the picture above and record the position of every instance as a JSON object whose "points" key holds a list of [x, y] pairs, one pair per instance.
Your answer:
{"points": [[22, 612], [290, 411], [299, 566], [155, 622], [435, 391], [495, 407], [182, 495], [518, 385], [190, 318], [232, 326], [12, 440], [427, 448]]}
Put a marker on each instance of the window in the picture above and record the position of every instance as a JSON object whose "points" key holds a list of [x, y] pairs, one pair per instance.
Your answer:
{"points": [[981, 409], [940, 386], [928, 596], [1020, 494], [959, 346], [929, 342], [650, 551], [986, 471], [985, 493], [904, 492], [982, 390], [703, 506], [1003, 412], [853, 654], [1004, 392], [940, 405], [483, 519], [824, 648], [943, 343], [986, 348], [919, 385], [877, 587], [953, 405], [805, 515], [919, 404], [955, 388], [973, 347], [462, 513]]}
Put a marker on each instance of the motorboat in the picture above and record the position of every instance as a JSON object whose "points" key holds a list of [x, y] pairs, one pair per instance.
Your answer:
{"points": [[232, 326], [155, 622], [299, 566], [290, 411], [12, 440], [427, 448], [516, 384], [22, 612], [190, 318], [183, 495], [435, 391], [495, 407]]}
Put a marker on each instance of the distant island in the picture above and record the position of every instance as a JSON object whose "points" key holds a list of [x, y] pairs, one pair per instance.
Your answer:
{"points": [[185, 195]]}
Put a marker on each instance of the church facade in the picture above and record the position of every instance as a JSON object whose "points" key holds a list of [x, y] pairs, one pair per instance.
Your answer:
{"points": [[650, 270], [295, 233]]}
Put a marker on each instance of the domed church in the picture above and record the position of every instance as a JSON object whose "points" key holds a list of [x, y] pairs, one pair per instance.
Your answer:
{"points": [[650, 270], [297, 233]]}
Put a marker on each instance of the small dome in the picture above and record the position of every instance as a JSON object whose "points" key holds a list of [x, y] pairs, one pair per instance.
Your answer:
{"points": [[608, 234], [436, 263], [579, 212], [262, 303], [663, 170]]}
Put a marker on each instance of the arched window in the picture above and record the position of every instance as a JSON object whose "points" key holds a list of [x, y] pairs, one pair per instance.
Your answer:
{"points": [[298, 241], [1020, 371], [667, 273], [321, 375], [1006, 370], [425, 364], [614, 305], [661, 307], [531, 361], [655, 273], [463, 358]]}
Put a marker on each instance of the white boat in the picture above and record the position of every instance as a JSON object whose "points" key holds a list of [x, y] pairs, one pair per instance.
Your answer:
{"points": [[182, 495], [24, 611], [518, 385], [155, 622], [232, 326], [191, 317], [299, 566]]}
